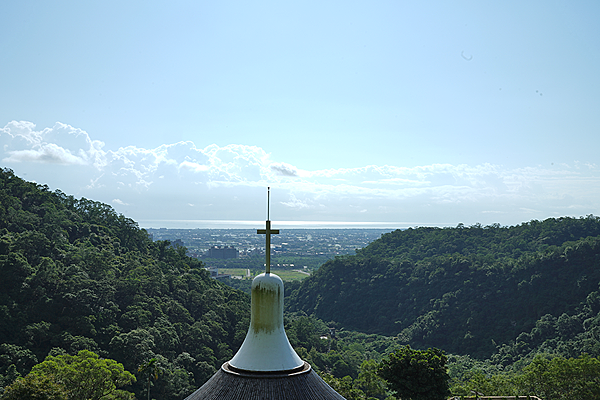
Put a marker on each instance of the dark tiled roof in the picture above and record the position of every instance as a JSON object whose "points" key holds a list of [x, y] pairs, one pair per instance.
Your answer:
{"points": [[229, 384]]}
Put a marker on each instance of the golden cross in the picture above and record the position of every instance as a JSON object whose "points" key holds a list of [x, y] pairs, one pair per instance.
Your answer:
{"points": [[268, 232]]}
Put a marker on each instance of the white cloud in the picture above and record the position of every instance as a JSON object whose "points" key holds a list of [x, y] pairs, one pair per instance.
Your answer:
{"points": [[22, 131], [46, 153], [293, 202], [194, 167], [168, 180], [61, 144], [284, 169]]}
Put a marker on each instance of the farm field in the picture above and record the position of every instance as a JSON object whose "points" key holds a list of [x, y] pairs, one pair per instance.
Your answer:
{"points": [[234, 271], [285, 274]]}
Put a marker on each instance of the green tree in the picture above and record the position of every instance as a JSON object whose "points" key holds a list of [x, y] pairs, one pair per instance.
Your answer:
{"points": [[85, 376], [35, 387], [561, 378], [496, 384], [416, 374], [151, 369], [344, 386], [368, 380]]}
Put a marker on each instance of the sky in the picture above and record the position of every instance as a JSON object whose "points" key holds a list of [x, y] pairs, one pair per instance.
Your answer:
{"points": [[354, 113]]}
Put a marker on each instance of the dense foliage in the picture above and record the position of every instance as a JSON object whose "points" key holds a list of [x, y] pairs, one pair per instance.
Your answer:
{"points": [[78, 276], [349, 362], [80, 376], [416, 374], [466, 290], [550, 378]]}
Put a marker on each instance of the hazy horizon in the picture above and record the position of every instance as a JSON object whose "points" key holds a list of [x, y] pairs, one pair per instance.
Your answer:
{"points": [[244, 224]]}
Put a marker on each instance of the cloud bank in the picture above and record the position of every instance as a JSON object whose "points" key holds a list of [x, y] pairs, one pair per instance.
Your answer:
{"points": [[181, 181]]}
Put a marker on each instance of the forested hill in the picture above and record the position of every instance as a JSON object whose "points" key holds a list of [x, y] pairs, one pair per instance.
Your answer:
{"points": [[466, 290], [76, 275]]}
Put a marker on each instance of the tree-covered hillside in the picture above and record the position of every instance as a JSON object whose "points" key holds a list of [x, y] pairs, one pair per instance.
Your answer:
{"points": [[76, 275], [466, 290]]}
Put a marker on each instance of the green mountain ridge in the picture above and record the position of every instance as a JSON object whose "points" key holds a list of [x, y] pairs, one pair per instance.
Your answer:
{"points": [[466, 290], [76, 275]]}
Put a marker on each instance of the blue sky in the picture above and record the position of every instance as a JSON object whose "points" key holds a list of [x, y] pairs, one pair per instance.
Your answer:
{"points": [[394, 113]]}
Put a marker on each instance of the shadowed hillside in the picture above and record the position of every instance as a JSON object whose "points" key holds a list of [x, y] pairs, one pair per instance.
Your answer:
{"points": [[464, 289]]}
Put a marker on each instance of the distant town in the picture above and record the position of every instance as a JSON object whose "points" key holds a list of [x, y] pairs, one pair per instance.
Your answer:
{"points": [[297, 248]]}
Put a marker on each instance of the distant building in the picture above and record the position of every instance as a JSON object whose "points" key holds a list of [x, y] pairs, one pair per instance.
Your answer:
{"points": [[222, 252], [253, 252], [177, 243], [214, 273], [194, 253]]}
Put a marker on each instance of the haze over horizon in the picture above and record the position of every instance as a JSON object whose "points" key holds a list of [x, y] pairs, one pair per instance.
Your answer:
{"points": [[391, 114]]}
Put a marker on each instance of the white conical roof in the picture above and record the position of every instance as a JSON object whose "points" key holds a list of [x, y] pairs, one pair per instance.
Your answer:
{"points": [[266, 347], [266, 367]]}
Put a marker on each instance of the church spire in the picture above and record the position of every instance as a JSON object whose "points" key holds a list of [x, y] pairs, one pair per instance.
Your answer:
{"points": [[268, 232], [266, 347], [266, 366]]}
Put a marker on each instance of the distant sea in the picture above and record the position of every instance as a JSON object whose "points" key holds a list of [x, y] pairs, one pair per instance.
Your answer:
{"points": [[234, 224]]}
